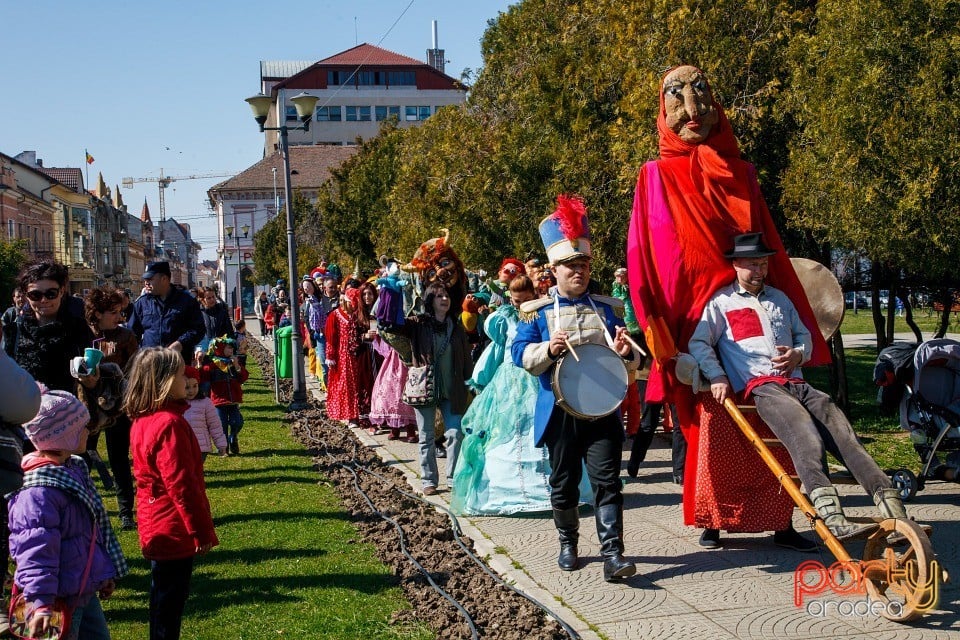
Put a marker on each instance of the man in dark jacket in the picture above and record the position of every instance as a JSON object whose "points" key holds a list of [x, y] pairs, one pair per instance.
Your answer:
{"points": [[166, 315]]}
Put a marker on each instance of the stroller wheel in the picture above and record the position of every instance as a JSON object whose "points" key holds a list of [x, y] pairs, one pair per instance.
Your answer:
{"points": [[905, 482]]}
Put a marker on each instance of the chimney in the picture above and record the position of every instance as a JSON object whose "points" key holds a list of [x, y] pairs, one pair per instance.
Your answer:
{"points": [[435, 56]]}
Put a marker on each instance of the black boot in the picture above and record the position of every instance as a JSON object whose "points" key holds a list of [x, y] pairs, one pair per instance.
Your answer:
{"points": [[641, 442], [610, 531], [125, 504], [568, 528]]}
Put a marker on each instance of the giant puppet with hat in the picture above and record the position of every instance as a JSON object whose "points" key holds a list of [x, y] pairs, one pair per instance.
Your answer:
{"points": [[689, 206]]}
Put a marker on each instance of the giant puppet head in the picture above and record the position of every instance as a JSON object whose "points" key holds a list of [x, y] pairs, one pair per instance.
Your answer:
{"points": [[436, 261], [687, 103]]}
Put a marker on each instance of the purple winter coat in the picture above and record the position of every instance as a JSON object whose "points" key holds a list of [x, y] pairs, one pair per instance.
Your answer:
{"points": [[50, 533]]}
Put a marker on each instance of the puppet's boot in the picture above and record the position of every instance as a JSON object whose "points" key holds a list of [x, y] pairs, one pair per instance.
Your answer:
{"points": [[567, 522], [827, 503], [889, 503]]}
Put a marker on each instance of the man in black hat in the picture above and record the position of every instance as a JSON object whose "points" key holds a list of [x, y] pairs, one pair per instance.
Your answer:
{"points": [[166, 315], [757, 334]]}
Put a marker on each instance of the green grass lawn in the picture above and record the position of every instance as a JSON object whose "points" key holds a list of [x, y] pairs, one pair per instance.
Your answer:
{"points": [[289, 564], [862, 322], [881, 434]]}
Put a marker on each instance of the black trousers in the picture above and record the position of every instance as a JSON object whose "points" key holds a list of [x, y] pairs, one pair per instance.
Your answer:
{"points": [[118, 453], [169, 586], [573, 443]]}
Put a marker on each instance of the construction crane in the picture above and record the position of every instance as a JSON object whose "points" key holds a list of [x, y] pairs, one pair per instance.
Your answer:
{"points": [[163, 182]]}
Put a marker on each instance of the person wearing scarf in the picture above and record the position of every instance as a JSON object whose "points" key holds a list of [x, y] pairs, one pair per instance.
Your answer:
{"points": [[688, 207]]}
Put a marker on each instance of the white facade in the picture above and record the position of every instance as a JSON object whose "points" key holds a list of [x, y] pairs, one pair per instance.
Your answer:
{"points": [[344, 114], [236, 255]]}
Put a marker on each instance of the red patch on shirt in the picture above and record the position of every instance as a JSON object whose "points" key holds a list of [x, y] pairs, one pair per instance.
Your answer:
{"points": [[744, 323]]}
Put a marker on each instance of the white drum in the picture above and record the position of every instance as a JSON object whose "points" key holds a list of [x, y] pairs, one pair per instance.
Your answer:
{"points": [[592, 387]]}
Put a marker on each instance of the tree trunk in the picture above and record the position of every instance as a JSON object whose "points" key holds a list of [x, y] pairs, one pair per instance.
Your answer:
{"points": [[892, 290], [908, 316], [838, 373], [945, 296], [876, 281]]}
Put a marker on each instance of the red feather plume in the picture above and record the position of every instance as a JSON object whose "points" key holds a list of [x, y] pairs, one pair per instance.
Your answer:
{"points": [[570, 212]]}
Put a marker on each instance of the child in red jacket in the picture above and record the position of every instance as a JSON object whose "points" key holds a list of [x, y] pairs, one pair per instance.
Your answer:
{"points": [[226, 373], [174, 514]]}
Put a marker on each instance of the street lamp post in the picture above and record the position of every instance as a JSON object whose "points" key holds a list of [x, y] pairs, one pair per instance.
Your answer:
{"points": [[238, 303], [304, 104]]}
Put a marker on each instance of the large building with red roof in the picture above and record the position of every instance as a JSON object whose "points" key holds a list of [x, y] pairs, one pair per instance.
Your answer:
{"points": [[358, 89]]}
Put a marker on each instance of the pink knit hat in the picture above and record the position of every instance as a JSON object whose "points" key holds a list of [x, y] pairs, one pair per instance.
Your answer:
{"points": [[59, 424]]}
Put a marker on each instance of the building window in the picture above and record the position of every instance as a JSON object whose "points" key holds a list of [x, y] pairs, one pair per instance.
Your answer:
{"points": [[329, 114], [367, 78], [417, 113], [336, 77], [291, 114], [9, 229], [401, 78], [387, 112], [358, 114]]}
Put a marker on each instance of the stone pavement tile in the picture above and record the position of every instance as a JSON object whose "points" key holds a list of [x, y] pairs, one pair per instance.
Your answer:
{"points": [[496, 526], [690, 626], [601, 602], [727, 594], [678, 563], [786, 621]]}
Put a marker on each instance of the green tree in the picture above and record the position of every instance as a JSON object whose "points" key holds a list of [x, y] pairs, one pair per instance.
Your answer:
{"points": [[13, 256], [270, 244], [352, 209], [874, 168]]}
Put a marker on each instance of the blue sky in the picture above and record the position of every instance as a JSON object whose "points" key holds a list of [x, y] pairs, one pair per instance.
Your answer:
{"points": [[145, 86]]}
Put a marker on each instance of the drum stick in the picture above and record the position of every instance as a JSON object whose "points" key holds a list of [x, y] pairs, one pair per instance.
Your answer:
{"points": [[633, 343], [570, 349]]}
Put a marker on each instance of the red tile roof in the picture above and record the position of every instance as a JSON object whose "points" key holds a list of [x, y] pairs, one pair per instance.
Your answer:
{"points": [[69, 176], [367, 54], [310, 167]]}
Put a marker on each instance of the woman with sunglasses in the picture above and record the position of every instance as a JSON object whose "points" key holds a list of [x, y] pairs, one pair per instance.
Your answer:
{"points": [[50, 329]]}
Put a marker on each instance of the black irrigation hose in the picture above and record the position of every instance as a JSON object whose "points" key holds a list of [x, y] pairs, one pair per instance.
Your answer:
{"points": [[457, 531], [403, 547], [455, 527]]}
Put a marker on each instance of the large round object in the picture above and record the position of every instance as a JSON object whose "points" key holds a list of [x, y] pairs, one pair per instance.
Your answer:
{"points": [[824, 293], [904, 576], [593, 386]]}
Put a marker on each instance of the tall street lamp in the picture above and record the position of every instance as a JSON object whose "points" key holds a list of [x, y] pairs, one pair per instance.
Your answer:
{"points": [[238, 303], [304, 104]]}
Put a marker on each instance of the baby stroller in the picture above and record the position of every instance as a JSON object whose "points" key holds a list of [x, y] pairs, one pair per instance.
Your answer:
{"points": [[930, 411]]}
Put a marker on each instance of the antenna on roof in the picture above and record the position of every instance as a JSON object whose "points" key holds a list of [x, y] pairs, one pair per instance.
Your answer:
{"points": [[435, 56], [356, 38]]}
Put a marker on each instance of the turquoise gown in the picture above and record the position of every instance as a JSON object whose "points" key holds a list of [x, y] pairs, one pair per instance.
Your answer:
{"points": [[499, 470]]}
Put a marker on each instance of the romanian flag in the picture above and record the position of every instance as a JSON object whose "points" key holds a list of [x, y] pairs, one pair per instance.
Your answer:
{"points": [[89, 157]]}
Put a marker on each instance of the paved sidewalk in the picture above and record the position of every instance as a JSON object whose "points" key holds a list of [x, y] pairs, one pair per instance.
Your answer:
{"points": [[744, 590]]}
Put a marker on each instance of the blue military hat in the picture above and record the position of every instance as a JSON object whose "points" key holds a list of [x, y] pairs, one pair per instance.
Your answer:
{"points": [[565, 232]]}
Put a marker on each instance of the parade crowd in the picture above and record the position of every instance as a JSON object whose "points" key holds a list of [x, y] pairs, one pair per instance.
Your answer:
{"points": [[472, 369]]}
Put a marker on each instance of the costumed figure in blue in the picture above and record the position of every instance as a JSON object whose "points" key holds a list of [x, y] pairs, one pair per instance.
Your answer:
{"points": [[548, 328]]}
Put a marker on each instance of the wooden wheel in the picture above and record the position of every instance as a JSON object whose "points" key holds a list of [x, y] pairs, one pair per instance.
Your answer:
{"points": [[901, 571]]}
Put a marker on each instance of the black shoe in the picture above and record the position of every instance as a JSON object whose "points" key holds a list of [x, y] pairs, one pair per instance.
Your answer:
{"points": [[678, 478], [567, 560], [234, 447], [633, 470], [567, 522], [790, 539], [710, 539], [616, 567], [127, 523], [441, 452]]}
